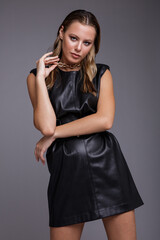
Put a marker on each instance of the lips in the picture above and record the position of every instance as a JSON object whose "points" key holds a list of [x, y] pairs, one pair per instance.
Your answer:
{"points": [[75, 55]]}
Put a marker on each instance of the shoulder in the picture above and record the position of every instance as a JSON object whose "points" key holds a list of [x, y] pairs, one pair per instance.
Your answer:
{"points": [[101, 68], [31, 86], [31, 78], [34, 71], [102, 76]]}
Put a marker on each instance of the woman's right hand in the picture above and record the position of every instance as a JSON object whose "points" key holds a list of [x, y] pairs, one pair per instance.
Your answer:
{"points": [[45, 60]]}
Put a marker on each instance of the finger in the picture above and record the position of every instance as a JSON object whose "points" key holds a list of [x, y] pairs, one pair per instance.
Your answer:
{"points": [[42, 157], [52, 58], [35, 153], [52, 67], [51, 62], [42, 160], [47, 54], [36, 157]]}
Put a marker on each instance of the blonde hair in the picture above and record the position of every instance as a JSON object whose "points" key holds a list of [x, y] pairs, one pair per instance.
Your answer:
{"points": [[88, 65]]}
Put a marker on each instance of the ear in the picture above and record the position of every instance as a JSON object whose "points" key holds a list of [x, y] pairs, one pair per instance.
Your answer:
{"points": [[61, 32]]}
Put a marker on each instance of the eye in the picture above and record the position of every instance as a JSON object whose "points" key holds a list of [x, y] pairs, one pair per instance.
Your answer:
{"points": [[72, 38], [87, 43]]}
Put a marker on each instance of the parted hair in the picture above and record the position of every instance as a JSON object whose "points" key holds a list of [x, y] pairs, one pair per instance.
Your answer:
{"points": [[88, 66]]}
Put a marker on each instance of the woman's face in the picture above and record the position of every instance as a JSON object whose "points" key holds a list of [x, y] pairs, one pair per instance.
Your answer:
{"points": [[78, 39]]}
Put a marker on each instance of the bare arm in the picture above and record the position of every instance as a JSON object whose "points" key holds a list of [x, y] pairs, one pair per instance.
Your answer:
{"points": [[97, 122], [43, 112], [44, 117]]}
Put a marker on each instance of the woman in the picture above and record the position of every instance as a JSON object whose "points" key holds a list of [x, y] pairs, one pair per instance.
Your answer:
{"points": [[74, 108]]}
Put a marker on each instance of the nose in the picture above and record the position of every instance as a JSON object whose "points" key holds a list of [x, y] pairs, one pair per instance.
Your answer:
{"points": [[78, 46]]}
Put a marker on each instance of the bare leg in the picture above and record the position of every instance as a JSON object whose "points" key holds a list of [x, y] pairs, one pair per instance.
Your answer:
{"points": [[70, 232], [121, 226]]}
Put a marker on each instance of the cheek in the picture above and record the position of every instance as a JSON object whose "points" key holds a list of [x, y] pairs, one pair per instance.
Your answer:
{"points": [[68, 45], [86, 51]]}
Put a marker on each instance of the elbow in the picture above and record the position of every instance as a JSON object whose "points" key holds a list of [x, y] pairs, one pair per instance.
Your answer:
{"points": [[108, 124], [48, 132]]}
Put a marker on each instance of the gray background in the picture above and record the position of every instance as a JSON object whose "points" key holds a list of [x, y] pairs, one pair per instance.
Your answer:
{"points": [[130, 46]]}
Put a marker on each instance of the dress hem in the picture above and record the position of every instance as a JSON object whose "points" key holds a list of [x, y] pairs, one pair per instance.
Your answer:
{"points": [[98, 214]]}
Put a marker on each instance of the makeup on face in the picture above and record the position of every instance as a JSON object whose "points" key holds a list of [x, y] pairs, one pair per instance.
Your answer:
{"points": [[77, 42]]}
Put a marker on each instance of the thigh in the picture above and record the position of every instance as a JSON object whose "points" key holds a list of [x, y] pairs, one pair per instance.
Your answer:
{"points": [[70, 232], [121, 226]]}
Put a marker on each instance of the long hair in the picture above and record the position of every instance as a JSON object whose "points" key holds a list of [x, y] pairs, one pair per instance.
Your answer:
{"points": [[88, 66]]}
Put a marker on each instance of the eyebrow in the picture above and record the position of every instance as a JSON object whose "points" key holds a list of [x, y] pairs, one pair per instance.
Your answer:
{"points": [[78, 37]]}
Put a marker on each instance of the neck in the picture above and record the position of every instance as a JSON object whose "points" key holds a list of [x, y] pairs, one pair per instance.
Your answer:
{"points": [[75, 66]]}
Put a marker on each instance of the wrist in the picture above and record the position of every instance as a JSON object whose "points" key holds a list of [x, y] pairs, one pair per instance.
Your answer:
{"points": [[39, 77], [55, 135]]}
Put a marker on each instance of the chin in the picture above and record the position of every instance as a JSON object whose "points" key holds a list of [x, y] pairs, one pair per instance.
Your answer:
{"points": [[73, 61]]}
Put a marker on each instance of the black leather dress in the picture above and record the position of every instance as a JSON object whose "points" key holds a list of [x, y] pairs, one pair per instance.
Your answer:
{"points": [[89, 176]]}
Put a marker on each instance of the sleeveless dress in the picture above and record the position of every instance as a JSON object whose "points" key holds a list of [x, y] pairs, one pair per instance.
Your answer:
{"points": [[89, 176]]}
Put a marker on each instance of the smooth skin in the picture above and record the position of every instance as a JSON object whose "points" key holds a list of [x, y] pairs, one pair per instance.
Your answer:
{"points": [[78, 39], [118, 227]]}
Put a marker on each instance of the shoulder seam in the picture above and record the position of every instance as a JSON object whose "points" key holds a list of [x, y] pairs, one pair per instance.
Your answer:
{"points": [[101, 65]]}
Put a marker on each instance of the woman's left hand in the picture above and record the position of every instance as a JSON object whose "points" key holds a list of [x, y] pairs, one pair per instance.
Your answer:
{"points": [[41, 146]]}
